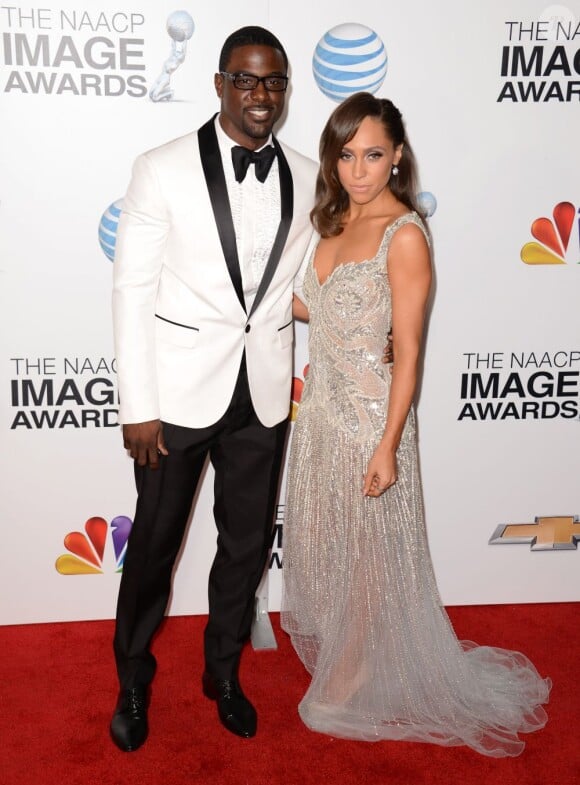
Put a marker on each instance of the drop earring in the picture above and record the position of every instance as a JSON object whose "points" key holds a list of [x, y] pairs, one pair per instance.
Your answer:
{"points": [[395, 170]]}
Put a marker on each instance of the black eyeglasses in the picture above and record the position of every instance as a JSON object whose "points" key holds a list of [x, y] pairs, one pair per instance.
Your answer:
{"points": [[273, 84]]}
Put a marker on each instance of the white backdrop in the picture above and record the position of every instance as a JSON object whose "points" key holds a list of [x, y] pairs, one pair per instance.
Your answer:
{"points": [[491, 107]]}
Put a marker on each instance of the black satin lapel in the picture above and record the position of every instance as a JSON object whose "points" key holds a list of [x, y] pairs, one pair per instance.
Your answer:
{"points": [[286, 212], [213, 170]]}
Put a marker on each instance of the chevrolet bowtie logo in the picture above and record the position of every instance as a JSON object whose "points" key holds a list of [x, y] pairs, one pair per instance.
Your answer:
{"points": [[551, 533]]}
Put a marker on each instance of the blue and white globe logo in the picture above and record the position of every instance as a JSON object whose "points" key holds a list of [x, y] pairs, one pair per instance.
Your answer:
{"points": [[350, 58], [426, 203], [108, 229]]}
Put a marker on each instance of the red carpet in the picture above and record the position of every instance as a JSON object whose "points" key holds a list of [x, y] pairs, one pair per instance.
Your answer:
{"points": [[59, 688]]}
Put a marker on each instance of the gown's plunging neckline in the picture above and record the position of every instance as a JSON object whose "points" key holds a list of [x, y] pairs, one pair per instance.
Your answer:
{"points": [[351, 263]]}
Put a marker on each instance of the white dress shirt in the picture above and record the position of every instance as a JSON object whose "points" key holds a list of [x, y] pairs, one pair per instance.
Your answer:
{"points": [[255, 210]]}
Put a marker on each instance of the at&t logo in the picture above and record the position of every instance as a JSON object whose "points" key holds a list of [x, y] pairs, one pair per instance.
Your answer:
{"points": [[108, 226], [347, 59]]}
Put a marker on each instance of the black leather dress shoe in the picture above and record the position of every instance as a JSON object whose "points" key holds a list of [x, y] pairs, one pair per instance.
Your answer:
{"points": [[129, 726], [235, 711]]}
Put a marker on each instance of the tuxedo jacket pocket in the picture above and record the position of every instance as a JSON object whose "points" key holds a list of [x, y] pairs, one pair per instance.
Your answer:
{"points": [[176, 333], [286, 334]]}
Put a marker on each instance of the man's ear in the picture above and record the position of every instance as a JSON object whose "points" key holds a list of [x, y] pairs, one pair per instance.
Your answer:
{"points": [[218, 83]]}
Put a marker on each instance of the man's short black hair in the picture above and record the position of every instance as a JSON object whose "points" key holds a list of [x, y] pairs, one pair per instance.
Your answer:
{"points": [[249, 36]]}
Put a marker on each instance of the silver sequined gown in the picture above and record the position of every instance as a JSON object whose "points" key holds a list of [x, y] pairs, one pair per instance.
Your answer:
{"points": [[360, 599]]}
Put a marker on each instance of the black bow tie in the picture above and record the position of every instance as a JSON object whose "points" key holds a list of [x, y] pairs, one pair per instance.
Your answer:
{"points": [[242, 158]]}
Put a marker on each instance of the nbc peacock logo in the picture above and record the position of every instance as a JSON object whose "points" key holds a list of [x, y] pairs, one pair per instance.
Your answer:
{"points": [[86, 550], [296, 394], [556, 239]]}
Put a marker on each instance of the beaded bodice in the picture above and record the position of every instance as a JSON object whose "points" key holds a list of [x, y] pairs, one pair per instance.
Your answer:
{"points": [[350, 317]]}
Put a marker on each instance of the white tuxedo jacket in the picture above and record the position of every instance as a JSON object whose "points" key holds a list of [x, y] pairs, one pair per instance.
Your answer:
{"points": [[179, 319]]}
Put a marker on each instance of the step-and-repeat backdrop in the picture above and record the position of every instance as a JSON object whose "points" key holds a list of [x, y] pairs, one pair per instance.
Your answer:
{"points": [[491, 102]]}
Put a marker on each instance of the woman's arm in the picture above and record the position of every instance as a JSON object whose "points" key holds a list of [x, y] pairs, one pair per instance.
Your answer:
{"points": [[299, 310], [409, 271]]}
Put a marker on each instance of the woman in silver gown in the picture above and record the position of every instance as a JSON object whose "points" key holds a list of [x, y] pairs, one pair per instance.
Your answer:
{"points": [[360, 599]]}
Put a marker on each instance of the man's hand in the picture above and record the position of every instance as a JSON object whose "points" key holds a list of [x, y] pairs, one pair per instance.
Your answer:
{"points": [[388, 350], [144, 441]]}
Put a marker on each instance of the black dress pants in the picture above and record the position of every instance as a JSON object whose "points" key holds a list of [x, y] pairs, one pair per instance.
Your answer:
{"points": [[247, 458]]}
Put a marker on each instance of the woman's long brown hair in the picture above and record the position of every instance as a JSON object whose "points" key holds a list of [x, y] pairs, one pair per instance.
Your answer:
{"points": [[331, 198]]}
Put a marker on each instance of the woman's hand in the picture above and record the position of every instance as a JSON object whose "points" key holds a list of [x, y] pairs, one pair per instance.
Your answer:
{"points": [[381, 472]]}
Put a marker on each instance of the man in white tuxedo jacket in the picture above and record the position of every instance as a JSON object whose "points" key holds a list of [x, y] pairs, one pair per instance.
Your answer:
{"points": [[214, 229]]}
